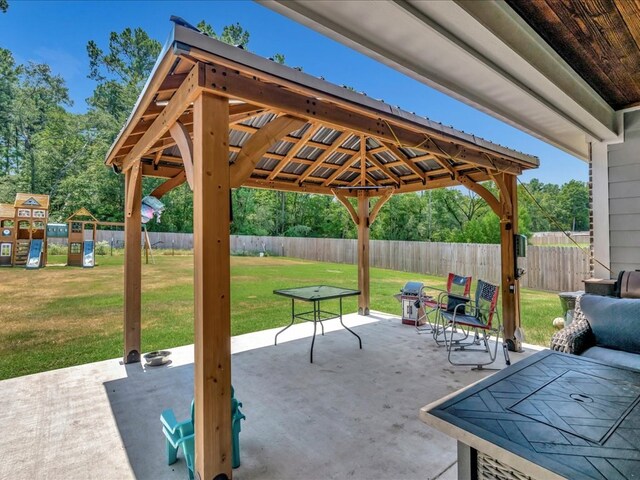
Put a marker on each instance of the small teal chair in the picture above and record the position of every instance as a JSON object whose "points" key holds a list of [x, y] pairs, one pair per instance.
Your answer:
{"points": [[175, 432], [181, 435]]}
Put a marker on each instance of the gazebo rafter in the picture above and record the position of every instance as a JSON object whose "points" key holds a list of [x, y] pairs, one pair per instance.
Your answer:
{"points": [[219, 118]]}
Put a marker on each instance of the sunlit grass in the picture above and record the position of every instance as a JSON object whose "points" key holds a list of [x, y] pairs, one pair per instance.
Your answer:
{"points": [[61, 316]]}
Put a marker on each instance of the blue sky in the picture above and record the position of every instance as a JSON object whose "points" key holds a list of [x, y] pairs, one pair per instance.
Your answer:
{"points": [[57, 33]]}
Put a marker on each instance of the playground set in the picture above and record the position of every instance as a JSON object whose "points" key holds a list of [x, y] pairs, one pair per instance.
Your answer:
{"points": [[24, 231]]}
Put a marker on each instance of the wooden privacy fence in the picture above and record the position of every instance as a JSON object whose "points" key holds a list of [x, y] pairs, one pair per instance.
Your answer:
{"points": [[547, 268], [558, 238]]}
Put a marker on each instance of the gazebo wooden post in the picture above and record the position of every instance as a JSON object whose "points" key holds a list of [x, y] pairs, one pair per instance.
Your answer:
{"points": [[509, 284], [132, 265], [211, 217], [363, 252]]}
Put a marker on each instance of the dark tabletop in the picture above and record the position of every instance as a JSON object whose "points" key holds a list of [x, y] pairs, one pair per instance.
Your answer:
{"points": [[573, 416], [317, 292]]}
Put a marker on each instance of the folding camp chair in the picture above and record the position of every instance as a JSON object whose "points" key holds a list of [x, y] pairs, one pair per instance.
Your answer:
{"points": [[480, 317], [430, 298]]}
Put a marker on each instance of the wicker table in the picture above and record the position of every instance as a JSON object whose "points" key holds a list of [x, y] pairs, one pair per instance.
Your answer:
{"points": [[549, 416]]}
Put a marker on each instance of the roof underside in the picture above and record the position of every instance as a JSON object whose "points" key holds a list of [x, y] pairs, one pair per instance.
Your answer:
{"points": [[338, 138], [600, 40]]}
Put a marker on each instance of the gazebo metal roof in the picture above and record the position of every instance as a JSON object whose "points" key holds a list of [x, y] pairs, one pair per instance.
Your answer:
{"points": [[320, 126]]}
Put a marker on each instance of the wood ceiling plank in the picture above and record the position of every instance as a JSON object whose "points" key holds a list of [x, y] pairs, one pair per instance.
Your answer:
{"points": [[594, 38]]}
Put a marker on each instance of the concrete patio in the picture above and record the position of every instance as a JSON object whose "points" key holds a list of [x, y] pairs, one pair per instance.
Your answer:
{"points": [[351, 414]]}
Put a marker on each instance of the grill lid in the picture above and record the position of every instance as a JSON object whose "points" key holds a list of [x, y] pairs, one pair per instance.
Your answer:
{"points": [[412, 288]]}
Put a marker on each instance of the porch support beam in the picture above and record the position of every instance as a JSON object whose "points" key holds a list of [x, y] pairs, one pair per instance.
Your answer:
{"points": [[132, 266], [510, 286], [185, 94], [485, 194], [181, 136], [363, 253], [342, 198], [169, 185], [212, 343], [379, 204]]}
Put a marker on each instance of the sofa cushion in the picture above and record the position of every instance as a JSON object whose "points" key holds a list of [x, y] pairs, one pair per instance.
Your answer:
{"points": [[613, 357], [615, 322]]}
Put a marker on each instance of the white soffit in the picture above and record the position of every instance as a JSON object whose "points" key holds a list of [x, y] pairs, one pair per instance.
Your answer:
{"points": [[481, 53]]}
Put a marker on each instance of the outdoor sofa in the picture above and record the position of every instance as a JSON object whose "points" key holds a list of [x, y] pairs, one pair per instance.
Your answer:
{"points": [[606, 329]]}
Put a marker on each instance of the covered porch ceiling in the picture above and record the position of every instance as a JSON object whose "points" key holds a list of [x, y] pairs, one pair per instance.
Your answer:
{"points": [[291, 131], [559, 70]]}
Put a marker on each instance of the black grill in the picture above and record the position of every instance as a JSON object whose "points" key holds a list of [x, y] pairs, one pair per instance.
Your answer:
{"points": [[412, 289]]}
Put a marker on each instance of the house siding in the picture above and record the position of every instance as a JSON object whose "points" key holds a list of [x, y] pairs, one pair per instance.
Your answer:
{"points": [[624, 197]]}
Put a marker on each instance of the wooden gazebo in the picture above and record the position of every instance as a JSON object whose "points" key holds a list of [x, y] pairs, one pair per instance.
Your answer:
{"points": [[218, 117]]}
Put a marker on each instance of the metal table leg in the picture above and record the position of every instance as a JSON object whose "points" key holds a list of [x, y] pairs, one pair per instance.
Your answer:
{"points": [[316, 313], [354, 333], [293, 318]]}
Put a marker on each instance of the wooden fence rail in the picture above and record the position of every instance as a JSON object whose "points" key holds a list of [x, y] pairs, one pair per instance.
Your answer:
{"points": [[547, 268]]}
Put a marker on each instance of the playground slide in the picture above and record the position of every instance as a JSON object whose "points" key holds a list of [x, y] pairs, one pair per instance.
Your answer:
{"points": [[88, 256], [35, 251]]}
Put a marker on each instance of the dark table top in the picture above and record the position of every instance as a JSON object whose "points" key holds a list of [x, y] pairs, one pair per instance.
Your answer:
{"points": [[573, 416], [317, 292]]}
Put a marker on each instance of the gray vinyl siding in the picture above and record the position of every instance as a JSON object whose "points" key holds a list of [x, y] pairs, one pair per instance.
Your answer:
{"points": [[624, 197]]}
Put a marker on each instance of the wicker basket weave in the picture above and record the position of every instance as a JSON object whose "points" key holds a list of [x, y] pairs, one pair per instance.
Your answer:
{"points": [[491, 469]]}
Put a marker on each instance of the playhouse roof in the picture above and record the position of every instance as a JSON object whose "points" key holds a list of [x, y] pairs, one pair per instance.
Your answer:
{"points": [[31, 200], [7, 210], [320, 136], [82, 215]]}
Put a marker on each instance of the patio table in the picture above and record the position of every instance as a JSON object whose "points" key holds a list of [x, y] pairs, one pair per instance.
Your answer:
{"points": [[551, 415], [316, 294]]}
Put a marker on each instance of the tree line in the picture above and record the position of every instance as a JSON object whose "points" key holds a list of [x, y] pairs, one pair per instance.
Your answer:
{"points": [[47, 149]]}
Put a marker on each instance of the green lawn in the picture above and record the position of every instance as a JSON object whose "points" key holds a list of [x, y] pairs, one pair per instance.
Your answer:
{"points": [[62, 316]]}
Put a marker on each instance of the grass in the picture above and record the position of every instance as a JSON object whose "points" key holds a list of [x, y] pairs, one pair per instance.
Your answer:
{"points": [[62, 316]]}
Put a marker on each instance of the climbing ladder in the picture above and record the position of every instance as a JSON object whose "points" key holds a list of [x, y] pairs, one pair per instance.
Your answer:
{"points": [[21, 252]]}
